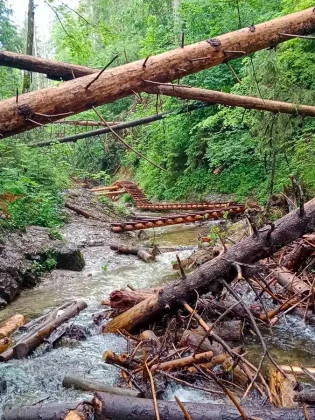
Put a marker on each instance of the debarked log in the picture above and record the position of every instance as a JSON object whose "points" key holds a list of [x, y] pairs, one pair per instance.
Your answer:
{"points": [[11, 325], [215, 361], [26, 345], [229, 99], [207, 278], [122, 359], [58, 411], [184, 362], [90, 385], [114, 407], [291, 282]]}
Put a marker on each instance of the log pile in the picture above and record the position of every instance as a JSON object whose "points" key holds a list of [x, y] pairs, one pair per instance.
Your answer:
{"points": [[183, 346], [38, 330]]}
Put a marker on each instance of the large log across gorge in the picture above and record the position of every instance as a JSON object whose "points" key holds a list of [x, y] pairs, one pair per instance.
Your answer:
{"points": [[78, 95]]}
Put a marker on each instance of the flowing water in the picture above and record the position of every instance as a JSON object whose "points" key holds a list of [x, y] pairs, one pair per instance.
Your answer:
{"points": [[39, 376]]}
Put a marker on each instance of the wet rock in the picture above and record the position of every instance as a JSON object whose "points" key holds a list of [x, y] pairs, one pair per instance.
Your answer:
{"points": [[26, 255], [9, 288], [3, 303], [69, 258], [74, 332]]}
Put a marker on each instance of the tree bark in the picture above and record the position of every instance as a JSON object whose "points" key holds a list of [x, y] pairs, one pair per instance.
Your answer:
{"points": [[307, 397], [78, 95], [126, 299], [29, 43], [228, 99], [85, 384], [46, 411], [228, 330], [53, 69], [114, 407], [11, 325], [26, 345], [207, 277]]}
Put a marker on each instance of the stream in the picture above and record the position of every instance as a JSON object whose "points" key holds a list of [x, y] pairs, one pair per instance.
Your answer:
{"points": [[39, 376]]}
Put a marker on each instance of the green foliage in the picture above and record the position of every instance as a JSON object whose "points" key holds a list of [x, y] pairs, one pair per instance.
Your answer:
{"points": [[48, 263], [31, 185], [10, 79], [205, 152]]}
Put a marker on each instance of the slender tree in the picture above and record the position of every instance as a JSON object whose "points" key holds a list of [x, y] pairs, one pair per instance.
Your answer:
{"points": [[29, 43]]}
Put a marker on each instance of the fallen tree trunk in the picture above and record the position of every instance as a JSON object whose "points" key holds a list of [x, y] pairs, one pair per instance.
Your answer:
{"points": [[80, 212], [114, 407], [228, 330], [11, 325], [143, 254], [48, 411], [123, 126], [39, 322], [207, 277], [291, 282], [85, 384], [307, 397], [78, 95], [86, 123], [229, 99], [53, 69], [26, 345], [125, 299]]}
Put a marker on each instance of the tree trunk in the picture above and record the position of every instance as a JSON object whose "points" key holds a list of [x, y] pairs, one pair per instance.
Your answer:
{"points": [[207, 277], [29, 44], [26, 345], [119, 127], [11, 325], [114, 407], [228, 99], [47, 411], [89, 385], [78, 95], [53, 69]]}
